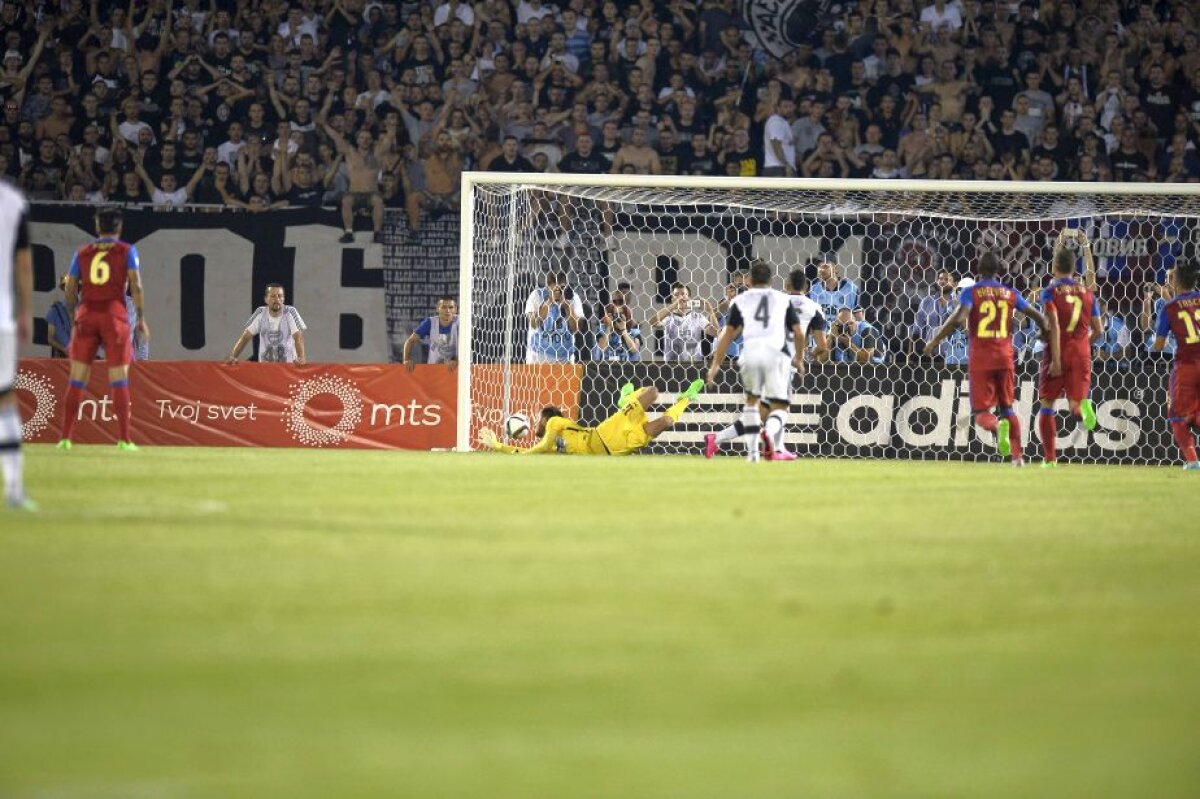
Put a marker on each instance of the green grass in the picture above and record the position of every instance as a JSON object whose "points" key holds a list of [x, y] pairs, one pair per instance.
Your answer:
{"points": [[248, 623]]}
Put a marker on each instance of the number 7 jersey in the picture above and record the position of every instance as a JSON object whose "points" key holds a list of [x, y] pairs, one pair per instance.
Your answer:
{"points": [[990, 323], [102, 269]]}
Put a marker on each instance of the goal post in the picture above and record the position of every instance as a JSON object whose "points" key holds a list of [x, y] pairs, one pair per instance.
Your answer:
{"points": [[878, 252]]}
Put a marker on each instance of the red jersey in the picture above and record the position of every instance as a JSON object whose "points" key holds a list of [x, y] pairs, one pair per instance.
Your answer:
{"points": [[102, 269], [1181, 316], [1073, 306], [990, 324]]}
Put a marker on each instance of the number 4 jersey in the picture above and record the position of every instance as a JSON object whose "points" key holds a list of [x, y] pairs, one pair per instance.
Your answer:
{"points": [[102, 269], [766, 317], [990, 323]]}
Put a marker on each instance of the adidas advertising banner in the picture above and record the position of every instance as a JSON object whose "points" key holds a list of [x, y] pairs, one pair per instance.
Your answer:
{"points": [[183, 403], [903, 412]]}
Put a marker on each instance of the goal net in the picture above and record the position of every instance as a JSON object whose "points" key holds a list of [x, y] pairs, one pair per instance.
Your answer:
{"points": [[640, 269]]}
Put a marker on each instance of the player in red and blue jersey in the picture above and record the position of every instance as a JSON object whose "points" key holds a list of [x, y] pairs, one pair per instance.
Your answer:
{"points": [[96, 284], [1181, 316], [987, 307], [1073, 315]]}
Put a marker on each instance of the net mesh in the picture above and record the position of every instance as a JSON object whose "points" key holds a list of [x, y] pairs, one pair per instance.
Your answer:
{"points": [[874, 257]]}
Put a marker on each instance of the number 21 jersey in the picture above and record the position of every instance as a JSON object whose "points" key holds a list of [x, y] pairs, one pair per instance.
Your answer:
{"points": [[990, 323]]}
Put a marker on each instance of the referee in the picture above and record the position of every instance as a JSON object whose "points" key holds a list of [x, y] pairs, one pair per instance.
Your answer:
{"points": [[16, 326]]}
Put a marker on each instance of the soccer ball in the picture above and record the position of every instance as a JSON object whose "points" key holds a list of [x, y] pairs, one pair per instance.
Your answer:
{"points": [[516, 426]]}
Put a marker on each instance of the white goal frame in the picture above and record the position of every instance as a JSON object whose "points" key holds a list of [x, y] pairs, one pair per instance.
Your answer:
{"points": [[675, 183]]}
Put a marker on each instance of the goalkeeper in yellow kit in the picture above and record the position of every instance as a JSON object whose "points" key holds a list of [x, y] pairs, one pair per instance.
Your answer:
{"points": [[626, 431]]}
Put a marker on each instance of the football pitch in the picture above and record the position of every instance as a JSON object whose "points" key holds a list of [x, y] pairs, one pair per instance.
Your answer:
{"points": [[281, 623]]}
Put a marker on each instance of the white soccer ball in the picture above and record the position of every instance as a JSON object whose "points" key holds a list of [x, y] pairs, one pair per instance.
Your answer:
{"points": [[516, 426]]}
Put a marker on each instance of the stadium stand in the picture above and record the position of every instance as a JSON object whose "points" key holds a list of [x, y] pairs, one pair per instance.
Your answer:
{"points": [[259, 104]]}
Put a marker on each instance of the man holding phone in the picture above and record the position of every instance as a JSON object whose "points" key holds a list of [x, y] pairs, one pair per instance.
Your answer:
{"points": [[685, 323], [554, 312]]}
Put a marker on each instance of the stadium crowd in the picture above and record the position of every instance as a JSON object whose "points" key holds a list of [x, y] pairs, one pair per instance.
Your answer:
{"points": [[258, 104], [261, 103]]}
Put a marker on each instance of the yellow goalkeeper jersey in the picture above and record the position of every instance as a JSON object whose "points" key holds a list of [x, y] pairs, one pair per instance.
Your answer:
{"points": [[563, 437], [620, 434]]}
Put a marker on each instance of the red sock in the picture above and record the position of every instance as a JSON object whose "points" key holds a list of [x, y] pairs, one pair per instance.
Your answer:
{"points": [[121, 403], [987, 421], [71, 407], [1185, 440], [1014, 436], [1048, 427]]}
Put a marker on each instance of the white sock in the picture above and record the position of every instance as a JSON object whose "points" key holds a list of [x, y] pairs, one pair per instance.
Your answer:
{"points": [[730, 433], [775, 423], [751, 425], [10, 454]]}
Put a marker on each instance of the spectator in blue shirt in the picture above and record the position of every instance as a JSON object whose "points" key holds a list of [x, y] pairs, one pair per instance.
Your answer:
{"points": [[616, 340], [737, 284], [139, 345], [59, 323], [437, 333], [1115, 346], [1152, 304], [831, 291], [933, 311], [554, 312], [856, 341]]}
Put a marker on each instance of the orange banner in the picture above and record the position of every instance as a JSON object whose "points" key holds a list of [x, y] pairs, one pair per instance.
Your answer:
{"points": [[250, 405], [531, 388]]}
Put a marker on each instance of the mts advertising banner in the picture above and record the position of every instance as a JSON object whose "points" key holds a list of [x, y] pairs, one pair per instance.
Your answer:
{"points": [[251, 405], [846, 410]]}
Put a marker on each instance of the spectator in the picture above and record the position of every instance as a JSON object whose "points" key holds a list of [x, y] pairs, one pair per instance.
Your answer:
{"points": [[831, 291], [617, 340], [1129, 165], [779, 148], [437, 333], [554, 313], [669, 153], [169, 193], [1115, 347], [618, 305], [438, 188], [510, 158], [363, 163], [855, 341], [737, 158], [1154, 298], [932, 312], [685, 324], [294, 180], [698, 159], [637, 156], [279, 329], [59, 323]]}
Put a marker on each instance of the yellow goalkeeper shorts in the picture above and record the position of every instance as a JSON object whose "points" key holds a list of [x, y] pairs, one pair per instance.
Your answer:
{"points": [[623, 432]]}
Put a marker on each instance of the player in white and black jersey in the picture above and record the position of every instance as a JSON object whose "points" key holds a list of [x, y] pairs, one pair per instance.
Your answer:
{"points": [[764, 318], [812, 319], [16, 326], [814, 325]]}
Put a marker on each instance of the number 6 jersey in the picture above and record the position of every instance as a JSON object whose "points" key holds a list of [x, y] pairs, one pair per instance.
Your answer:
{"points": [[101, 269], [990, 323]]}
